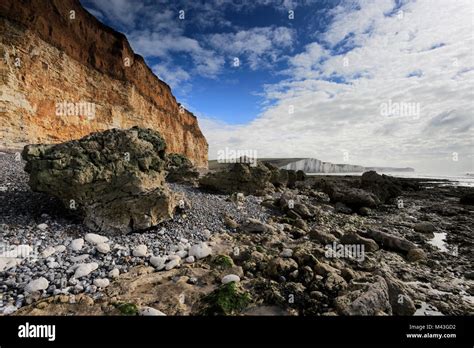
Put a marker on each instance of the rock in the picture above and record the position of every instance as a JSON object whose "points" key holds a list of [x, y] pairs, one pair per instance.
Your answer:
{"points": [[416, 254], [189, 259], [53, 264], [388, 241], [48, 252], [230, 278], [229, 222], [77, 244], [374, 301], [323, 269], [342, 208], [401, 303], [254, 178], [158, 262], [467, 199], [424, 227], [384, 187], [364, 211], [59, 248], [279, 266], [321, 236], [256, 226], [172, 264], [200, 250], [103, 248], [114, 273], [148, 311], [9, 309], [37, 285], [286, 253], [101, 283], [79, 258], [95, 238], [335, 283], [348, 274], [140, 251], [353, 238], [42, 227], [85, 269], [180, 169], [118, 181], [182, 253]]}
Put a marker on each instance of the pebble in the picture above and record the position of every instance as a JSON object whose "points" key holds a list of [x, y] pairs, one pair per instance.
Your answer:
{"points": [[42, 227], [101, 283], [48, 251], [37, 285], [77, 244], [59, 248], [53, 264], [182, 253], [103, 248], [140, 250], [189, 259], [94, 238], [148, 311], [79, 258], [230, 278], [158, 262], [286, 253], [85, 269], [114, 273], [172, 264], [200, 250]]}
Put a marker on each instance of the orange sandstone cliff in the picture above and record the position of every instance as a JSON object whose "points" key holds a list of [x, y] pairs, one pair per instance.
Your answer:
{"points": [[53, 52]]}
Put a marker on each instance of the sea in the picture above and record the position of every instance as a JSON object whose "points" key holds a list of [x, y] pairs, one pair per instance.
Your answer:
{"points": [[463, 180]]}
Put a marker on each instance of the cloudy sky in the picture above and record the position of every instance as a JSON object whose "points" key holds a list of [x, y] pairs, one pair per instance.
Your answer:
{"points": [[383, 82]]}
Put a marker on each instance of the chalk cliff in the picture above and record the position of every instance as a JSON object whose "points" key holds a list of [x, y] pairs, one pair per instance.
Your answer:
{"points": [[64, 74]]}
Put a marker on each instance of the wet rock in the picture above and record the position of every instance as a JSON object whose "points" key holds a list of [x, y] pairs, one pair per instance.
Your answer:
{"points": [[321, 236], [373, 301], [354, 238], [467, 199], [416, 254], [424, 227], [279, 266], [401, 302], [384, 187], [387, 241], [114, 178], [256, 226]]}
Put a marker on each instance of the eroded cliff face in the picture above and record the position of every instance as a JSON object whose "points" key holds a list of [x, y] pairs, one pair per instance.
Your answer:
{"points": [[63, 75]]}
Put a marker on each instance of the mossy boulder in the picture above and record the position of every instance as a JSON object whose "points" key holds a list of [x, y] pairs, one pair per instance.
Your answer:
{"points": [[114, 179], [180, 169], [228, 299]]}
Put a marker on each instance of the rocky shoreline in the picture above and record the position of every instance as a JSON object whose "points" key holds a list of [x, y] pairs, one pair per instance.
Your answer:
{"points": [[288, 251]]}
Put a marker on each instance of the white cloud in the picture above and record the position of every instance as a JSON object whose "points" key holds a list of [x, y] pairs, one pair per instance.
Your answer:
{"points": [[259, 46], [332, 117]]}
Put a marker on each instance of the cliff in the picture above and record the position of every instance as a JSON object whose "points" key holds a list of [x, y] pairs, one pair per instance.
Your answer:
{"points": [[313, 165], [64, 75]]}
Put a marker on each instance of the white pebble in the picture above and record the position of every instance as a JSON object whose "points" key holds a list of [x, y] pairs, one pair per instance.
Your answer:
{"points": [[158, 262], [140, 250], [182, 253], [48, 251], [148, 311], [114, 273], [59, 248], [37, 285], [85, 268], [77, 244], [94, 238], [230, 278], [200, 250], [189, 259], [101, 283], [103, 248], [79, 258], [42, 227], [172, 264], [53, 264]]}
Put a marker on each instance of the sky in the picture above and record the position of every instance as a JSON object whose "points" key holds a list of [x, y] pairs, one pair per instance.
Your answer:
{"points": [[370, 82]]}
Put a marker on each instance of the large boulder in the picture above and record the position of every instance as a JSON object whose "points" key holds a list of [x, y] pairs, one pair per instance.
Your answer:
{"points": [[180, 169], [384, 187], [115, 179], [239, 177]]}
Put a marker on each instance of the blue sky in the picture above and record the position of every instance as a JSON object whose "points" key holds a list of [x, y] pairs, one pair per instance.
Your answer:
{"points": [[316, 85]]}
